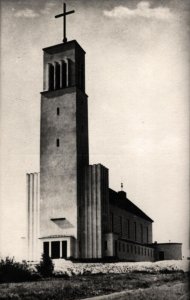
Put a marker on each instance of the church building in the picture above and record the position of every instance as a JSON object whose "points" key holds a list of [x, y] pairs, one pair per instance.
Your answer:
{"points": [[72, 212]]}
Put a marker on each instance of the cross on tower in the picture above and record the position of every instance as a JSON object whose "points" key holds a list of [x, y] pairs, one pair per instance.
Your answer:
{"points": [[64, 20]]}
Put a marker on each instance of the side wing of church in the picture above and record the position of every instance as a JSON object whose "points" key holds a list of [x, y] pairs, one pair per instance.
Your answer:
{"points": [[72, 212]]}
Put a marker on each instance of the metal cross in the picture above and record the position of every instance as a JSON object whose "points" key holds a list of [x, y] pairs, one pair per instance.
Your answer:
{"points": [[64, 20]]}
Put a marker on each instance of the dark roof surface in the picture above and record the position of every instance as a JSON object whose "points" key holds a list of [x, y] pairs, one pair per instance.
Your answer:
{"points": [[126, 204]]}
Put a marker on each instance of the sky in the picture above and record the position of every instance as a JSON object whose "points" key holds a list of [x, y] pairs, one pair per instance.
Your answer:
{"points": [[137, 80]]}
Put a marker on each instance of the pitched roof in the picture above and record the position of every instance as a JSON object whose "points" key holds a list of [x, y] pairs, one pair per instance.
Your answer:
{"points": [[126, 204]]}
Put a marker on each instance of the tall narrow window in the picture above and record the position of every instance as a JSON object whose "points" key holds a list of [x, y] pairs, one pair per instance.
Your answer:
{"points": [[141, 233], [57, 142], [55, 249], [69, 71], [58, 111], [46, 248], [105, 245], [120, 225], [147, 235], [112, 222], [64, 74], [57, 75], [128, 228], [135, 230], [50, 77]]}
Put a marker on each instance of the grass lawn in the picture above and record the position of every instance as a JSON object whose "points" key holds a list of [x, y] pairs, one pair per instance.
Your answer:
{"points": [[139, 286]]}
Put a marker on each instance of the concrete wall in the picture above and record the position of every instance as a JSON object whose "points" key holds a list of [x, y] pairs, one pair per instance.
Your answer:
{"points": [[62, 167], [126, 250], [58, 165], [33, 200], [118, 215], [168, 251], [94, 213]]}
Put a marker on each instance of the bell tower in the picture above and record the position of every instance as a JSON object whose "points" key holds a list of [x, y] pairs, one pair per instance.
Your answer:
{"points": [[64, 150]]}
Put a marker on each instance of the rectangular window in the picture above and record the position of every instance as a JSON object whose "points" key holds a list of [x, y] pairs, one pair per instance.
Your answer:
{"points": [[135, 230], [135, 250], [112, 222], [119, 246], [46, 248], [64, 74], [55, 249], [57, 142], [57, 75], [141, 233], [123, 247], [131, 248], [120, 225], [128, 228], [64, 249], [58, 111], [105, 245], [127, 248], [138, 250], [50, 77]]}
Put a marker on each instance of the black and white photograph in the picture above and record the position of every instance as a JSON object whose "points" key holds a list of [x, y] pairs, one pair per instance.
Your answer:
{"points": [[94, 149]]}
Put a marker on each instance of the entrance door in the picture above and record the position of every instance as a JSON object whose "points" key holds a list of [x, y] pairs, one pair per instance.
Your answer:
{"points": [[64, 249], [161, 255], [55, 249]]}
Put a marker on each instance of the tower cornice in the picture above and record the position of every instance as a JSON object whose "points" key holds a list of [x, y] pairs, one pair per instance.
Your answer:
{"points": [[63, 46]]}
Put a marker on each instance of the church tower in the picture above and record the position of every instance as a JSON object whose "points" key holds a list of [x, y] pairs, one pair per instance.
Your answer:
{"points": [[64, 150]]}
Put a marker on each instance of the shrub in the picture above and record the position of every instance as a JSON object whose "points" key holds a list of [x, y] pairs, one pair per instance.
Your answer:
{"points": [[12, 271], [46, 266]]}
